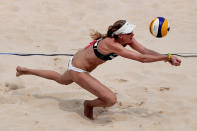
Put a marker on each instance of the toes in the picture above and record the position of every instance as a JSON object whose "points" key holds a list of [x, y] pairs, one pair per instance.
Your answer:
{"points": [[19, 71], [18, 68], [17, 74]]}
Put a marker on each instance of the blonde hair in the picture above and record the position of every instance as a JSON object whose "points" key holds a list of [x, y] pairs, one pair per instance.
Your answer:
{"points": [[95, 35]]}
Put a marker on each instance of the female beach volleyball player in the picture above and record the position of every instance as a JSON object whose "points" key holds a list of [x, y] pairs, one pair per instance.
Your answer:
{"points": [[100, 50]]}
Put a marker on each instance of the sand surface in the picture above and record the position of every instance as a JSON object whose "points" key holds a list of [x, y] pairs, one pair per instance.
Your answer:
{"points": [[151, 97]]}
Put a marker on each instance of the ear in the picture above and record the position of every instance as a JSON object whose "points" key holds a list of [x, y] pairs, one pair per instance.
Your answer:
{"points": [[119, 36]]}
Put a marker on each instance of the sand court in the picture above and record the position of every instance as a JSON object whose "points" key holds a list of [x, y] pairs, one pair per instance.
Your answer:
{"points": [[151, 96]]}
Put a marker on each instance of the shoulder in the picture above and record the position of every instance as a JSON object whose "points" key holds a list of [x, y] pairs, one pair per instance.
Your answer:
{"points": [[112, 45], [110, 42]]}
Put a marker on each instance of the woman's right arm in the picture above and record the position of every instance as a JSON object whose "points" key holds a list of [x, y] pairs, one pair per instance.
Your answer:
{"points": [[144, 58], [143, 50]]}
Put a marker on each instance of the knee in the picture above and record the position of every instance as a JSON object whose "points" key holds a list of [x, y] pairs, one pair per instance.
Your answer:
{"points": [[66, 82], [63, 82], [111, 100]]}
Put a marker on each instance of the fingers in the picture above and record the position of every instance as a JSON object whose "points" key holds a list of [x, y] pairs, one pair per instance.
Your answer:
{"points": [[179, 60], [177, 64], [175, 61]]}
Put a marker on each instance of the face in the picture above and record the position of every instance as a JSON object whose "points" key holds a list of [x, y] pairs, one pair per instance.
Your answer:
{"points": [[126, 38]]}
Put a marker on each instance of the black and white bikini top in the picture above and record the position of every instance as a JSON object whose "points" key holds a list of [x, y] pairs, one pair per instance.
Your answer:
{"points": [[106, 57]]}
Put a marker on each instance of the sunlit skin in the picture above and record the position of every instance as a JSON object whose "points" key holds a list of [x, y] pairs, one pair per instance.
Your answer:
{"points": [[126, 38], [85, 59]]}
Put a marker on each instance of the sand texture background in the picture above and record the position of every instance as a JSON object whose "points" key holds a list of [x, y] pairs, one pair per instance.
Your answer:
{"points": [[151, 97]]}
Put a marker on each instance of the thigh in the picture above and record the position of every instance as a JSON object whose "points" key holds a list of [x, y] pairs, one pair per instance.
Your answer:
{"points": [[86, 81]]}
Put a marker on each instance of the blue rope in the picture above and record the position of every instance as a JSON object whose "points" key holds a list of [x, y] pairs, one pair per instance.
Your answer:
{"points": [[184, 54], [23, 54]]}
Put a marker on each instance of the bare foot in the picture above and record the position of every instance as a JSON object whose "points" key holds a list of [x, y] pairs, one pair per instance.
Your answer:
{"points": [[88, 110], [20, 71]]}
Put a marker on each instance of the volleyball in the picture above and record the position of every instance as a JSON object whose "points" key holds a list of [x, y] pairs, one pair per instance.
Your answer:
{"points": [[159, 27]]}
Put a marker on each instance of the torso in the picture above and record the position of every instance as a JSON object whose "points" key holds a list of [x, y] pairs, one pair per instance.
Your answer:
{"points": [[87, 60]]}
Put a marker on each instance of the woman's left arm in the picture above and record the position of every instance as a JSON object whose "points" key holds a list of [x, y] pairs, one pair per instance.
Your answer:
{"points": [[141, 49]]}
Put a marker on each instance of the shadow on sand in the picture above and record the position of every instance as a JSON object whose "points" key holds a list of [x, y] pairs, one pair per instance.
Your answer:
{"points": [[102, 116]]}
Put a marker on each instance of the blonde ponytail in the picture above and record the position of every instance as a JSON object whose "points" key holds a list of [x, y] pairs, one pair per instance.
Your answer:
{"points": [[95, 35]]}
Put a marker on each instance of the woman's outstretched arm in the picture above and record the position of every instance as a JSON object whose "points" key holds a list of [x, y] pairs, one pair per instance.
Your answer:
{"points": [[141, 56]]}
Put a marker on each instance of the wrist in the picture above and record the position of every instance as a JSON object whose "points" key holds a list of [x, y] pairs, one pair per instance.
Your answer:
{"points": [[169, 57]]}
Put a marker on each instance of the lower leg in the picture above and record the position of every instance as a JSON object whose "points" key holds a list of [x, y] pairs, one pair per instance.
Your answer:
{"points": [[90, 104], [105, 96], [96, 103], [48, 74]]}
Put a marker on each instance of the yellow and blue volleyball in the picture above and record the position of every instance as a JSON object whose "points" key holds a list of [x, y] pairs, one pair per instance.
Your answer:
{"points": [[159, 27]]}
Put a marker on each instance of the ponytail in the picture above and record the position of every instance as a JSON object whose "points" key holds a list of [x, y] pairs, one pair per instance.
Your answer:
{"points": [[95, 35]]}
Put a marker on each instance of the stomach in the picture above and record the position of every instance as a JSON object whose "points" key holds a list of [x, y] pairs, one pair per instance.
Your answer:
{"points": [[86, 59]]}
